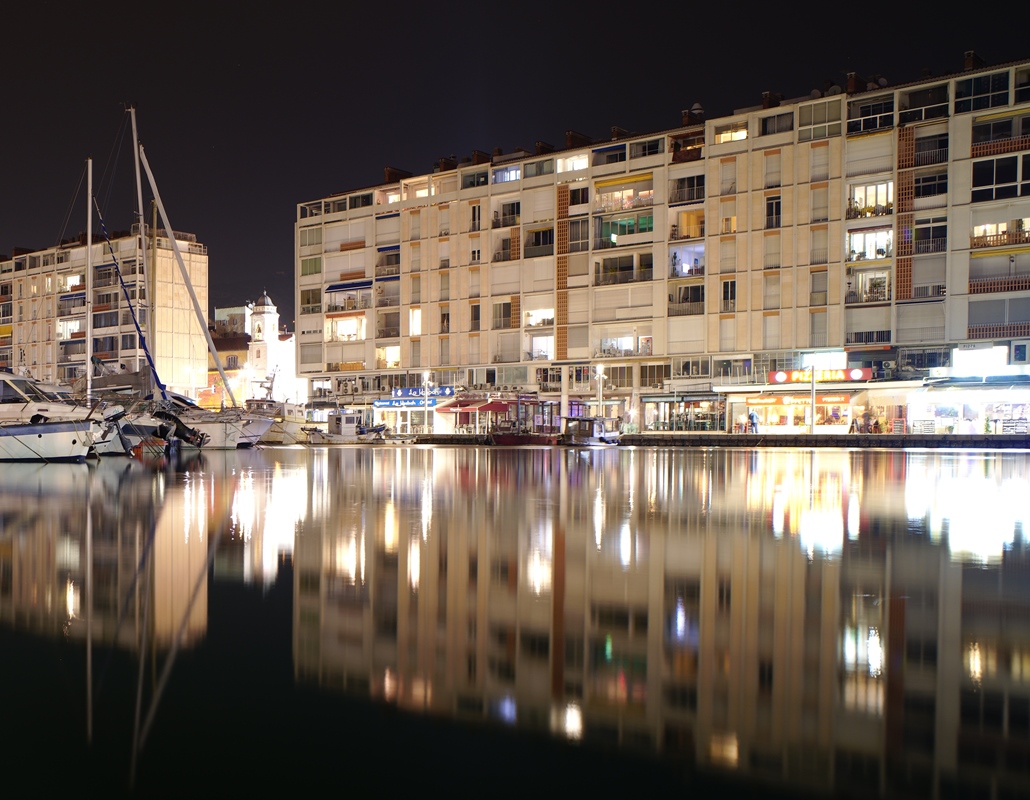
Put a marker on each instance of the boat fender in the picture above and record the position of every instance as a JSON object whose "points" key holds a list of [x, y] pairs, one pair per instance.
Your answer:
{"points": [[36, 419]]}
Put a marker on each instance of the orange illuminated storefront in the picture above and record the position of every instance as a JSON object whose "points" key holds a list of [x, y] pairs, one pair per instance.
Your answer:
{"points": [[791, 413]]}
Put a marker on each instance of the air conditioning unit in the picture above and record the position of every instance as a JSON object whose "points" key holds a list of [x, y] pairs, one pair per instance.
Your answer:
{"points": [[890, 364]]}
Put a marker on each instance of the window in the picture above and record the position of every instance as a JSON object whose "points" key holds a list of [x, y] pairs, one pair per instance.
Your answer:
{"points": [[817, 329], [579, 235], [310, 236], [870, 115], [999, 178], [772, 251], [506, 174], [573, 163], [445, 319], [728, 177], [772, 211], [470, 180], [868, 200], [729, 296], [772, 170], [509, 215], [984, 91], [728, 216], [733, 132], [820, 203], [870, 244], [688, 190], [931, 235], [311, 266], [128, 341], [539, 242], [819, 120], [652, 147], [360, 200], [232, 362], [579, 195], [545, 167], [817, 297], [474, 317], [727, 255], [780, 123], [932, 149], [501, 316], [819, 249], [921, 104], [931, 185], [609, 230], [414, 322], [310, 301], [609, 155], [771, 295]]}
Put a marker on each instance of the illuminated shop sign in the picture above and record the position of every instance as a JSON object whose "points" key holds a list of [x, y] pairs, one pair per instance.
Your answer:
{"points": [[821, 375], [801, 400]]}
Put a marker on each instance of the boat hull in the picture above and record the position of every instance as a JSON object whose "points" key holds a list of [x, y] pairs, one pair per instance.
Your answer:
{"points": [[520, 439], [57, 441]]}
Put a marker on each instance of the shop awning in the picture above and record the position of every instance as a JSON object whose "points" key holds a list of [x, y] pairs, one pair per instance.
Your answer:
{"points": [[350, 286], [493, 406], [460, 405]]}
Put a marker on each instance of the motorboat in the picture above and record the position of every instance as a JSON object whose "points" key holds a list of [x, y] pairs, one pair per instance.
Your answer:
{"points": [[592, 431], [287, 420], [509, 433], [345, 427], [46, 440]]}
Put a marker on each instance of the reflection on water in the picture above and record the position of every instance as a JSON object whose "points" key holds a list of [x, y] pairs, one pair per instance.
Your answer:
{"points": [[830, 619]]}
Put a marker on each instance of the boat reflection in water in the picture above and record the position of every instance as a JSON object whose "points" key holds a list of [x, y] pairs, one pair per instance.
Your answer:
{"points": [[826, 619]]}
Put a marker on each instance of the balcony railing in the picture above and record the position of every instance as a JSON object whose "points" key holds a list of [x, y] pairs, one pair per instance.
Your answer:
{"points": [[924, 158], [999, 239], [999, 330], [868, 337], [315, 308], [1002, 283], [877, 295], [858, 212], [386, 270], [881, 252], [613, 278], [388, 332], [680, 271], [728, 306], [687, 195], [687, 309], [938, 245], [532, 251], [501, 323], [929, 290], [772, 221], [678, 233], [540, 323], [507, 221], [999, 146], [603, 206], [502, 255], [931, 333], [505, 358], [386, 302]]}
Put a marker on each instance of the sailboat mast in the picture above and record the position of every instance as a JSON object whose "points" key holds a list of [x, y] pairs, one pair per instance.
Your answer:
{"points": [[89, 278], [141, 240], [201, 318]]}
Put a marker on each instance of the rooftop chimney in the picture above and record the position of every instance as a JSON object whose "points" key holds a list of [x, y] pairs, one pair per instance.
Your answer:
{"points": [[544, 147], [618, 133], [770, 99], [575, 139], [498, 151], [972, 61], [393, 175], [855, 83], [479, 157], [443, 164], [695, 115]]}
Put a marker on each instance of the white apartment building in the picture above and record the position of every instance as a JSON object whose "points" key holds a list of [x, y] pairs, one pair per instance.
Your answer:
{"points": [[46, 302], [866, 227]]}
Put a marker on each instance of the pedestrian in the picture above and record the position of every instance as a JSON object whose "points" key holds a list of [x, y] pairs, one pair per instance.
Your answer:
{"points": [[752, 419]]}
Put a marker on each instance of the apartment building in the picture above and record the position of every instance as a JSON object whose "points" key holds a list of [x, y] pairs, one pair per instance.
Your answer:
{"points": [[706, 269], [48, 308]]}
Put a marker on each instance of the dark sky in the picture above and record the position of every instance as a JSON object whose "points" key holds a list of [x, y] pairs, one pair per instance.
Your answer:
{"points": [[246, 109]]}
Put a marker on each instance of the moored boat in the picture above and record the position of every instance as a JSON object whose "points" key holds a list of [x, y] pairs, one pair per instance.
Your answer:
{"points": [[508, 433], [46, 440], [592, 431]]}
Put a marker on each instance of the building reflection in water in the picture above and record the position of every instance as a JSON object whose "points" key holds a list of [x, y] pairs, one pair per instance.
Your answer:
{"points": [[833, 618]]}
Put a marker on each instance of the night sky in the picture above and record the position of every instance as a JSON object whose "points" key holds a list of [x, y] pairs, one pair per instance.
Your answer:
{"points": [[246, 109]]}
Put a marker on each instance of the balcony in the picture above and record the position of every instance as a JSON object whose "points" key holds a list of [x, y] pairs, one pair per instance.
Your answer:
{"points": [[924, 158], [929, 291], [614, 278], [502, 255], [880, 253], [680, 271], [867, 337], [999, 146], [772, 221], [678, 234], [505, 358], [532, 251], [856, 212], [874, 294], [1001, 283], [507, 221], [473, 226], [387, 301], [687, 154], [938, 245], [999, 239], [999, 330], [728, 306], [687, 195], [687, 309], [315, 308], [387, 270], [605, 204], [540, 323], [388, 332]]}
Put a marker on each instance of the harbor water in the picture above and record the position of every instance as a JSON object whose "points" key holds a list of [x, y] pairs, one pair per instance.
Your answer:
{"points": [[774, 622]]}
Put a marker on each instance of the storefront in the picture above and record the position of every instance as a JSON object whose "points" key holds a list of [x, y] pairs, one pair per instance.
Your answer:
{"points": [[686, 412], [970, 407]]}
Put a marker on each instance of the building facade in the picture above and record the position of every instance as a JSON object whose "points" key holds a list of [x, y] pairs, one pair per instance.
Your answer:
{"points": [[873, 233], [49, 306]]}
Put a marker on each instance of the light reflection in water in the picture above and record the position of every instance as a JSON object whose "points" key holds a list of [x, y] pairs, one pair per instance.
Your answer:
{"points": [[754, 610]]}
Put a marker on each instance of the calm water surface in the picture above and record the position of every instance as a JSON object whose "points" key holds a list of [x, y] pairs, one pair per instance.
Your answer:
{"points": [[518, 620]]}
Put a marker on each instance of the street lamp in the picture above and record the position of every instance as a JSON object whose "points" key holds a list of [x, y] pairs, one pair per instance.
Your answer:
{"points": [[599, 369]]}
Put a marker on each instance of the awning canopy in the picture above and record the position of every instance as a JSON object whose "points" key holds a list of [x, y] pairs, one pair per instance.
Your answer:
{"points": [[493, 406], [459, 405], [350, 286]]}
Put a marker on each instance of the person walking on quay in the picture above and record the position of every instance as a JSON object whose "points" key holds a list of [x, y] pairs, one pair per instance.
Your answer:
{"points": [[752, 419]]}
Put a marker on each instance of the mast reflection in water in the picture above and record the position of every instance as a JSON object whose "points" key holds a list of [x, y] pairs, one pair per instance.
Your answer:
{"points": [[832, 619]]}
